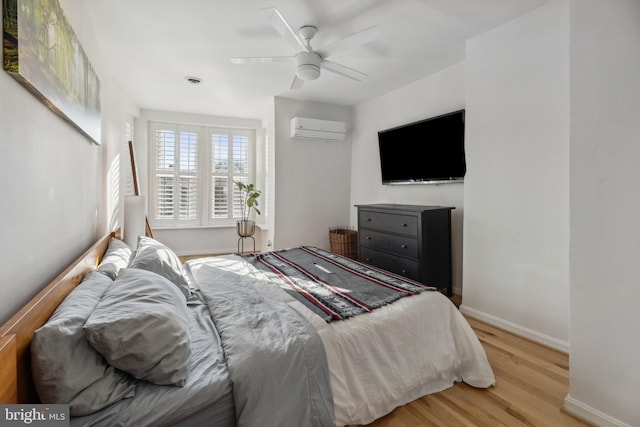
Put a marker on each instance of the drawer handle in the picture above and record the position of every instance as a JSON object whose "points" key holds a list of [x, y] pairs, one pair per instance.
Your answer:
{"points": [[368, 259], [404, 225], [368, 219], [368, 237], [404, 271], [403, 246]]}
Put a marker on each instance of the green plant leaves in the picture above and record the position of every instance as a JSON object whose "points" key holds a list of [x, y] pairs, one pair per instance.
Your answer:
{"points": [[249, 195]]}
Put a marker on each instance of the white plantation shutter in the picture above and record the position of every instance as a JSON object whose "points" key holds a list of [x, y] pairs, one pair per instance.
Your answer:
{"points": [[193, 173], [165, 144], [240, 170], [231, 160], [175, 193], [220, 197], [240, 150], [188, 208], [220, 175], [237, 201], [164, 197], [188, 177]]}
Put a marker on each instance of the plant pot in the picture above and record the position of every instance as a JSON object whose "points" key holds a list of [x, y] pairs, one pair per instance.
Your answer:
{"points": [[246, 227]]}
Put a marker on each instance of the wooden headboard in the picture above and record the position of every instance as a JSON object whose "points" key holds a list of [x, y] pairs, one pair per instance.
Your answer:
{"points": [[16, 384]]}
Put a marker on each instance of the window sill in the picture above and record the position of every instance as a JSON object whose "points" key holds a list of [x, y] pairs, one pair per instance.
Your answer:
{"points": [[261, 227]]}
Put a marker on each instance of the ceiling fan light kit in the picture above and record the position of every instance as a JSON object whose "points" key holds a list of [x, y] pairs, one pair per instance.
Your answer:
{"points": [[309, 62], [308, 65]]}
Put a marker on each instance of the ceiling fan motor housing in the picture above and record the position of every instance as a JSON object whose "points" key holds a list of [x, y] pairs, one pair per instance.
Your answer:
{"points": [[308, 65]]}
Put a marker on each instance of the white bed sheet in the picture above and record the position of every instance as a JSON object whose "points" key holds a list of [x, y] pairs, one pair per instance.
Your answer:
{"points": [[396, 354]]}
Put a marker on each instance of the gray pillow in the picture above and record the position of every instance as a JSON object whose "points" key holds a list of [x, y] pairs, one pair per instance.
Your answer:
{"points": [[154, 256], [140, 326], [117, 256], [66, 368]]}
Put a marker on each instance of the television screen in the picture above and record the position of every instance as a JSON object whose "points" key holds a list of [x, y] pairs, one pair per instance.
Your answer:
{"points": [[428, 151]]}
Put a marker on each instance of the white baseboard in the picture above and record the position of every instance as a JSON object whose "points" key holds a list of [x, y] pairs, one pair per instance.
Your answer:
{"points": [[536, 336], [592, 415], [208, 252]]}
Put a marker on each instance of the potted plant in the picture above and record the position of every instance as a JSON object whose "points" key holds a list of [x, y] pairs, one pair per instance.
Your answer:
{"points": [[249, 196]]}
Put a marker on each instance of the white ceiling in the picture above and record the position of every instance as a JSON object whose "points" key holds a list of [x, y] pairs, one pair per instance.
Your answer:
{"points": [[152, 45]]}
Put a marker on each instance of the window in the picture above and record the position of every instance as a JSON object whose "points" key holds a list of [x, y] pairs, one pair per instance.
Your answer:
{"points": [[230, 157], [193, 173]]}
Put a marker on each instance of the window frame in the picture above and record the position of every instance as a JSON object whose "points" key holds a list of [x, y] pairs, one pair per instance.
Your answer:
{"points": [[203, 174]]}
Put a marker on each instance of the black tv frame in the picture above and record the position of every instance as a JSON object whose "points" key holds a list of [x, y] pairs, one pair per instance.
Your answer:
{"points": [[401, 131]]}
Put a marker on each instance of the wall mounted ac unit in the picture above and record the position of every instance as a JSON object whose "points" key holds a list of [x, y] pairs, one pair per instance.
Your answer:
{"points": [[304, 128]]}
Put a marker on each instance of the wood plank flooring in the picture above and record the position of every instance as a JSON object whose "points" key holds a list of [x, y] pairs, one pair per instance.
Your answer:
{"points": [[531, 383]]}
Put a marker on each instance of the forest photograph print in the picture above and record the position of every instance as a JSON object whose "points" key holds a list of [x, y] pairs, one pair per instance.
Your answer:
{"points": [[42, 52]]}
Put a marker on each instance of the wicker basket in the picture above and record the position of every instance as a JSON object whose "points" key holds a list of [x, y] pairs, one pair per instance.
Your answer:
{"points": [[344, 241]]}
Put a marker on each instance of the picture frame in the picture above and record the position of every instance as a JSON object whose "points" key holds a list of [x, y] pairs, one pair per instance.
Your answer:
{"points": [[42, 52]]}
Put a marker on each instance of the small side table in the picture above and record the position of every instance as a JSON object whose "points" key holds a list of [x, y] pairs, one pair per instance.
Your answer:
{"points": [[241, 244]]}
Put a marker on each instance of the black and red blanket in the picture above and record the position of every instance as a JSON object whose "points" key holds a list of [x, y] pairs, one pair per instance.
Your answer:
{"points": [[333, 286]]}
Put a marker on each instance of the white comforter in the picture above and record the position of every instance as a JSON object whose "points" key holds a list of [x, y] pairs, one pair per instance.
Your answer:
{"points": [[416, 346], [398, 353]]}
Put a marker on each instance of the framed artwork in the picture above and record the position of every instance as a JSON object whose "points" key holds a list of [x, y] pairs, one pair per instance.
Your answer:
{"points": [[42, 52]]}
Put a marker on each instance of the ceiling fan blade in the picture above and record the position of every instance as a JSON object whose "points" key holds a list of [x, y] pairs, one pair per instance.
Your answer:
{"points": [[284, 29], [348, 42], [296, 83], [260, 60], [343, 70]]}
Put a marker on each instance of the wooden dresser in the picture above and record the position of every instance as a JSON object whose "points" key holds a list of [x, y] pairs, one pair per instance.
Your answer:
{"points": [[409, 240]]}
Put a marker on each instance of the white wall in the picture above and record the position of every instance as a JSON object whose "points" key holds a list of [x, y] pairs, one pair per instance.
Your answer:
{"points": [[516, 195], [118, 113], [270, 172], [605, 211], [312, 185], [440, 93], [55, 180]]}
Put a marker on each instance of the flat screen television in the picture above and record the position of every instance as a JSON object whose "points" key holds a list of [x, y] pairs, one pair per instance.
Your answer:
{"points": [[424, 152]]}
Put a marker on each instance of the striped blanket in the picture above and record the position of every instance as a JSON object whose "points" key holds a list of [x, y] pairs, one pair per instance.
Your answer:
{"points": [[332, 286]]}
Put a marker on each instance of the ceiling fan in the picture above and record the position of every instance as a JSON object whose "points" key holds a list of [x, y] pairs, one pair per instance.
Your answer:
{"points": [[309, 61]]}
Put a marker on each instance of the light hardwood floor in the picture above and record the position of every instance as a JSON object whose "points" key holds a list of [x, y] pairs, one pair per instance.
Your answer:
{"points": [[531, 383]]}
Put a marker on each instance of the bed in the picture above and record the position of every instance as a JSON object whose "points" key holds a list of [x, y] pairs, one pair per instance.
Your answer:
{"points": [[306, 366]]}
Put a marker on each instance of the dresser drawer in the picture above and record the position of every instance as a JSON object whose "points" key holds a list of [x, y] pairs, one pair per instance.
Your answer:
{"points": [[394, 223], [400, 245], [409, 240], [395, 264]]}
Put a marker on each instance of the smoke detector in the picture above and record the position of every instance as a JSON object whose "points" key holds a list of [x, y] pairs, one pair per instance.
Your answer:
{"points": [[193, 80]]}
